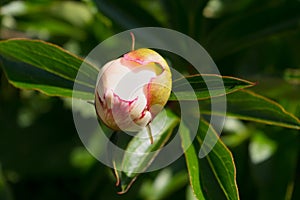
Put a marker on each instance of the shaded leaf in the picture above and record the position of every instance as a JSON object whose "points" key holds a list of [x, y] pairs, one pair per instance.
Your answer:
{"points": [[285, 89], [126, 14], [271, 180], [250, 106], [177, 12], [247, 28], [199, 83]]}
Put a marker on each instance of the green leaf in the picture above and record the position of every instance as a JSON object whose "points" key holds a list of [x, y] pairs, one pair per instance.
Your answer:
{"points": [[247, 28], [126, 14], [47, 68], [287, 89], [199, 83], [286, 156], [5, 192], [140, 153], [191, 162], [166, 183], [217, 169], [261, 148], [250, 106], [53, 26], [178, 14]]}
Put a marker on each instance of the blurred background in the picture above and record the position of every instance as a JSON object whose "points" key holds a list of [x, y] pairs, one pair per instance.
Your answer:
{"points": [[41, 155]]}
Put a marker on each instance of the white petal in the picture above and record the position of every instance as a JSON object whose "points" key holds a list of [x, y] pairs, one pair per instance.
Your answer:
{"points": [[109, 98], [145, 120], [138, 107], [131, 84]]}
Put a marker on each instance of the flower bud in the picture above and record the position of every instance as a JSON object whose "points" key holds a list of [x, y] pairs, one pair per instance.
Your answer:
{"points": [[132, 90]]}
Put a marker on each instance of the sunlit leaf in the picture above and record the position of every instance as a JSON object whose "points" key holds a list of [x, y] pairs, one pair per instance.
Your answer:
{"points": [[218, 86], [165, 183], [250, 106], [261, 148], [192, 163], [138, 154], [217, 169], [46, 67]]}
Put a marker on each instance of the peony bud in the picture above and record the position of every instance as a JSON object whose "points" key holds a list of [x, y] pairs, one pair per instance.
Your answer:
{"points": [[132, 90]]}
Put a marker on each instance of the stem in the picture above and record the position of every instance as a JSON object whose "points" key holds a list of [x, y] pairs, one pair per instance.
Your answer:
{"points": [[133, 41], [116, 173], [149, 133], [114, 139]]}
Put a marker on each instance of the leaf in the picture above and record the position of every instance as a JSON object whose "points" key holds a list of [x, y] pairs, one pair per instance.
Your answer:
{"points": [[191, 162], [5, 192], [200, 83], [247, 28], [250, 106], [165, 183], [177, 12], [126, 14], [286, 89], [271, 180], [53, 26], [218, 164], [47, 68], [140, 153], [261, 148]]}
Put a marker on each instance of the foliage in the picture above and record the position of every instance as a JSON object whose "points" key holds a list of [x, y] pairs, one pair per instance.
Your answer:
{"points": [[257, 154]]}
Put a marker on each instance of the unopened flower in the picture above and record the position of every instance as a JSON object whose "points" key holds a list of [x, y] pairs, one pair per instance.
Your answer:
{"points": [[132, 90]]}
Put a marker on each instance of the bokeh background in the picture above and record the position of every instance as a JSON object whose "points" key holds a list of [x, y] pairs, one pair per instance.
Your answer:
{"points": [[41, 155]]}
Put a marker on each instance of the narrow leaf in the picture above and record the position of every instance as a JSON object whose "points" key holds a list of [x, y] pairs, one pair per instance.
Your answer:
{"points": [[206, 86], [34, 64], [219, 164], [25, 76], [253, 26], [191, 162], [250, 106], [126, 14]]}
